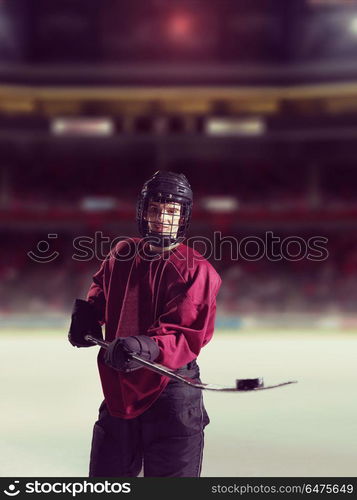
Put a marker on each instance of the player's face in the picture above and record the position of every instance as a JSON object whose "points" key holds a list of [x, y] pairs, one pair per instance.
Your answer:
{"points": [[164, 217]]}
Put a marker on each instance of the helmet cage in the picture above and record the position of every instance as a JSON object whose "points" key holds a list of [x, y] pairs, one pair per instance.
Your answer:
{"points": [[173, 232]]}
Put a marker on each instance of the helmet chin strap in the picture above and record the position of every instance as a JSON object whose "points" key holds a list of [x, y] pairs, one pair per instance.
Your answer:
{"points": [[162, 241]]}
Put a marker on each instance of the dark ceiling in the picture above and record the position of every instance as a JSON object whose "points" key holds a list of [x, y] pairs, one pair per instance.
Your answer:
{"points": [[179, 41]]}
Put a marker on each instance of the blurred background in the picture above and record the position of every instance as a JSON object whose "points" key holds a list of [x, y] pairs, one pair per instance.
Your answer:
{"points": [[254, 101]]}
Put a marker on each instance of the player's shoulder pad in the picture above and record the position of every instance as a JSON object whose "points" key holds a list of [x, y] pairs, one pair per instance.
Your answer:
{"points": [[125, 248], [193, 265]]}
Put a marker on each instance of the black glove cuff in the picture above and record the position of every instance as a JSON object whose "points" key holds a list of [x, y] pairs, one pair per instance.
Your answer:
{"points": [[119, 356], [83, 322], [142, 345]]}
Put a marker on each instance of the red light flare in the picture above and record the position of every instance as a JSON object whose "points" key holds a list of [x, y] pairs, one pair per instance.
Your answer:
{"points": [[180, 26]]}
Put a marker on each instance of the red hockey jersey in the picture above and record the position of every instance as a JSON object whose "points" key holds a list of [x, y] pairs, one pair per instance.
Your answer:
{"points": [[170, 297]]}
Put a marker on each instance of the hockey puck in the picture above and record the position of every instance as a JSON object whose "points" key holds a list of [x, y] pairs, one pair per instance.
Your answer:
{"points": [[248, 384]]}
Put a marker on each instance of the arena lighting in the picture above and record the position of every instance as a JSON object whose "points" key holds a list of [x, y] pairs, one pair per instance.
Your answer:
{"points": [[180, 26], [82, 127], [219, 204], [235, 126], [98, 204], [353, 25]]}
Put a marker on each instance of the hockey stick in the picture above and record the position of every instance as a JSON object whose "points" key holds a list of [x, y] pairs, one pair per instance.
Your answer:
{"points": [[242, 385]]}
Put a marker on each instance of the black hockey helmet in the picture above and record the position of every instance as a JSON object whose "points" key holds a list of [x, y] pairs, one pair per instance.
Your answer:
{"points": [[166, 188]]}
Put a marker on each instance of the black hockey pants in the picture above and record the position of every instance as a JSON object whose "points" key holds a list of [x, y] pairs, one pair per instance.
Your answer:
{"points": [[167, 439]]}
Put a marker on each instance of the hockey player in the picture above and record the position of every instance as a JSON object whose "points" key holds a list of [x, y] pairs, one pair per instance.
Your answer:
{"points": [[157, 298]]}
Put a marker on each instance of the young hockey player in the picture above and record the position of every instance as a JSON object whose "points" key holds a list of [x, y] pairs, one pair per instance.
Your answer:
{"points": [[156, 297]]}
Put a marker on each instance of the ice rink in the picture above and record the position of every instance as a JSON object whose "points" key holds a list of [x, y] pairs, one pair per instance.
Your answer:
{"points": [[50, 393]]}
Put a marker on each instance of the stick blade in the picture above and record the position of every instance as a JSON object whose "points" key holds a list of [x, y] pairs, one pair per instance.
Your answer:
{"points": [[249, 384]]}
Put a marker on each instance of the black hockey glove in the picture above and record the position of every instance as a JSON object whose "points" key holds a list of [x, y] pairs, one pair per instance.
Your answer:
{"points": [[83, 323], [118, 353]]}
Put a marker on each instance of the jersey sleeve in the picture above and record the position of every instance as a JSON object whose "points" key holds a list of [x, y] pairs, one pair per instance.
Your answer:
{"points": [[96, 294], [187, 321]]}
